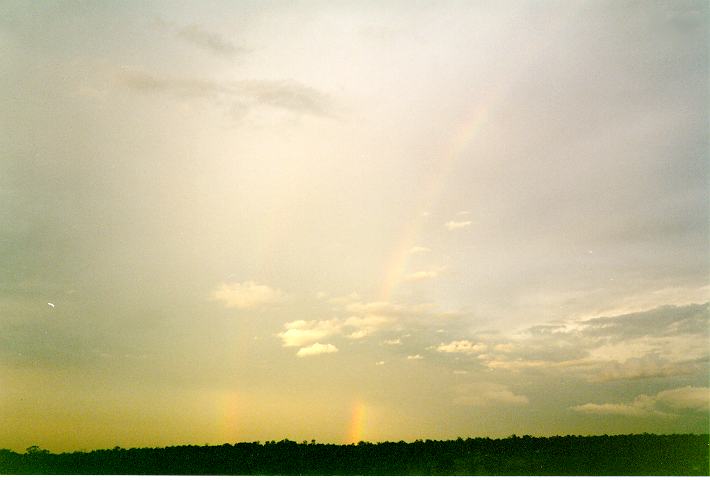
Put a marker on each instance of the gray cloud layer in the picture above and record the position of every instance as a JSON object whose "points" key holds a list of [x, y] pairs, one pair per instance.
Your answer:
{"points": [[284, 95], [210, 41], [669, 341]]}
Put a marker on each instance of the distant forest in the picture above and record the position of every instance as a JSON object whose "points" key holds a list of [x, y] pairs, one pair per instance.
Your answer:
{"points": [[644, 454]]}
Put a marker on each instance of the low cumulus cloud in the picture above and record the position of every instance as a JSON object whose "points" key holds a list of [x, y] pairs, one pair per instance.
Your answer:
{"points": [[485, 394], [316, 349], [358, 320], [367, 325], [457, 225], [667, 403], [419, 249], [302, 332], [462, 346], [246, 295]]}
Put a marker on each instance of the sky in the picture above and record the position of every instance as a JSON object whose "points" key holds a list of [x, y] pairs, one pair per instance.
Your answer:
{"points": [[352, 221]]}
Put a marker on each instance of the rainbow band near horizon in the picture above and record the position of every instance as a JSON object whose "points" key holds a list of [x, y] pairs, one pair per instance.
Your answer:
{"points": [[357, 422]]}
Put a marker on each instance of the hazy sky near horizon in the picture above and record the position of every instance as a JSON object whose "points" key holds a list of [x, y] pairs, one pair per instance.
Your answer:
{"points": [[237, 221]]}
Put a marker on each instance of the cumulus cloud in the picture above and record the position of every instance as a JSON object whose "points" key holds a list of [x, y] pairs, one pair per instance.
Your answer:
{"points": [[462, 346], [414, 357], [484, 394], [666, 403], [367, 325], [456, 225], [246, 295], [642, 406], [359, 320], [302, 332], [316, 349], [418, 249], [207, 40]]}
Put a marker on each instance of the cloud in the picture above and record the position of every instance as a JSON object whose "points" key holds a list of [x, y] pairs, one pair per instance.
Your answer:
{"points": [[686, 398], [668, 341], [367, 325], [486, 394], [244, 94], [414, 357], [640, 407], [246, 295], [648, 366], [418, 249], [302, 332], [454, 225], [665, 320], [207, 40], [316, 349], [462, 346], [364, 319]]}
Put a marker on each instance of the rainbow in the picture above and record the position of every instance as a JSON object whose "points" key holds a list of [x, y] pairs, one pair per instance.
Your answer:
{"points": [[470, 129], [464, 136], [357, 420]]}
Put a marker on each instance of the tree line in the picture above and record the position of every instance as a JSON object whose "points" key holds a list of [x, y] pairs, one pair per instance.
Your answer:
{"points": [[644, 454]]}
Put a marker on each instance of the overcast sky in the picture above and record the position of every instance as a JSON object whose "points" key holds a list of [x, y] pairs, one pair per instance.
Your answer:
{"points": [[343, 221]]}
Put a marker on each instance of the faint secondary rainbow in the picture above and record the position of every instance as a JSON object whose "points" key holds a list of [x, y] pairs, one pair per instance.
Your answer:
{"points": [[470, 129], [461, 139]]}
